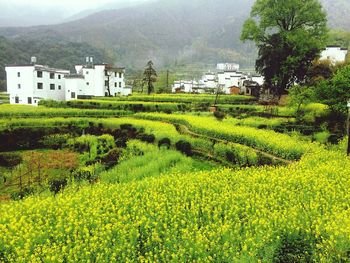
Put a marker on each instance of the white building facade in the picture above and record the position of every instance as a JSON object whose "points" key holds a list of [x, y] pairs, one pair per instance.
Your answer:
{"points": [[96, 80], [28, 84], [335, 54]]}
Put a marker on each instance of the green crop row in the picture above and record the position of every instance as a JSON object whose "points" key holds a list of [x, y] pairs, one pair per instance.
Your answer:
{"points": [[135, 106], [21, 111], [183, 98], [278, 144]]}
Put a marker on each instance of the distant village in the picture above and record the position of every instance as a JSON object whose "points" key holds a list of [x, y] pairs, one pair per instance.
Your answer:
{"points": [[29, 83]]}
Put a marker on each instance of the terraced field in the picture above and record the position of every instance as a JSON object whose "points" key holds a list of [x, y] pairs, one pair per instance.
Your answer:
{"points": [[168, 187]]}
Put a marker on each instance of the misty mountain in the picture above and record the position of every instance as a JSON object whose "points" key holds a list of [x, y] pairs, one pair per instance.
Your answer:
{"points": [[168, 32]]}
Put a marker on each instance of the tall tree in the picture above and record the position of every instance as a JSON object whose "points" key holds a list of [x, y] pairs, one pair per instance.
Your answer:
{"points": [[289, 35], [150, 76]]}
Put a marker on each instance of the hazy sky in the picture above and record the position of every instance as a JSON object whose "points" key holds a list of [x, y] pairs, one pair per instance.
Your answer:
{"points": [[78, 4], [37, 12]]}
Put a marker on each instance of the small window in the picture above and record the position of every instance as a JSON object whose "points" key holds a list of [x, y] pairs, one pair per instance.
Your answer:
{"points": [[106, 83], [34, 101], [52, 75], [59, 76], [16, 100], [59, 87], [116, 74], [18, 74], [40, 85], [29, 100], [115, 84], [52, 86], [39, 74], [87, 72], [120, 84], [72, 95], [120, 75], [19, 86], [87, 83]]}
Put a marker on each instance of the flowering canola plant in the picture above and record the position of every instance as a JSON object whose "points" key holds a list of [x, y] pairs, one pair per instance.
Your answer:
{"points": [[297, 212]]}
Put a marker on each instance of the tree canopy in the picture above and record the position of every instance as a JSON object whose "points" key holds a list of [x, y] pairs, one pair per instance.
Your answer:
{"points": [[150, 76], [335, 92], [289, 35]]}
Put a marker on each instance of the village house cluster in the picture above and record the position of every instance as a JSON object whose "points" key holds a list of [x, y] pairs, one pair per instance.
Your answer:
{"points": [[228, 79], [30, 83]]}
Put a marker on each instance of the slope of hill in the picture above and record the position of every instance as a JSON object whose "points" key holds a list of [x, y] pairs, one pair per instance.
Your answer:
{"points": [[168, 32], [50, 50]]}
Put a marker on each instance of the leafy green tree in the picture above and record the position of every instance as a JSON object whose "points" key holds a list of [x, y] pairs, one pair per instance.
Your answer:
{"points": [[289, 35], [336, 91], [150, 76], [299, 95]]}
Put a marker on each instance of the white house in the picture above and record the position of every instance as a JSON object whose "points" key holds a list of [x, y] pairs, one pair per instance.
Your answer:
{"points": [[227, 66], [335, 54], [30, 83], [96, 80]]}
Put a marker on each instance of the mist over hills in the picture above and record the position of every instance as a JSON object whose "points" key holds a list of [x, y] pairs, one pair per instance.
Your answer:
{"points": [[168, 32]]}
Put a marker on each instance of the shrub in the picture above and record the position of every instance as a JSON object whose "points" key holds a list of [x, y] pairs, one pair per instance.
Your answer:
{"points": [[55, 141], [111, 158], [295, 247], [22, 193], [219, 115], [57, 185], [10, 160], [164, 142], [184, 147], [150, 138]]}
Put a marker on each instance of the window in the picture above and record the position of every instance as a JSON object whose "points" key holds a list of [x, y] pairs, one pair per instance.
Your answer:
{"points": [[59, 76], [87, 83], [72, 95], [52, 75], [116, 74], [120, 75], [106, 83], [39, 74], [115, 84], [18, 74], [120, 84], [59, 87], [16, 100], [34, 101], [87, 72], [40, 85], [29, 100], [19, 86], [52, 86]]}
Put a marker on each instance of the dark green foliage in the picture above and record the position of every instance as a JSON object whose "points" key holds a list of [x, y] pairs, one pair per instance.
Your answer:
{"points": [[55, 141], [57, 185], [22, 193], [164, 142], [111, 158], [184, 147], [289, 35], [219, 115], [150, 138], [10, 160], [150, 76], [336, 91], [295, 247]]}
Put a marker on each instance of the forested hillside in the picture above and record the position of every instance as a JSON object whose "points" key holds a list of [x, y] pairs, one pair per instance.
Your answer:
{"points": [[168, 32], [49, 51]]}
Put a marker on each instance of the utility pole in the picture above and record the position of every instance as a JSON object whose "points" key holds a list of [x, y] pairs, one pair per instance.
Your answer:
{"points": [[348, 128]]}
